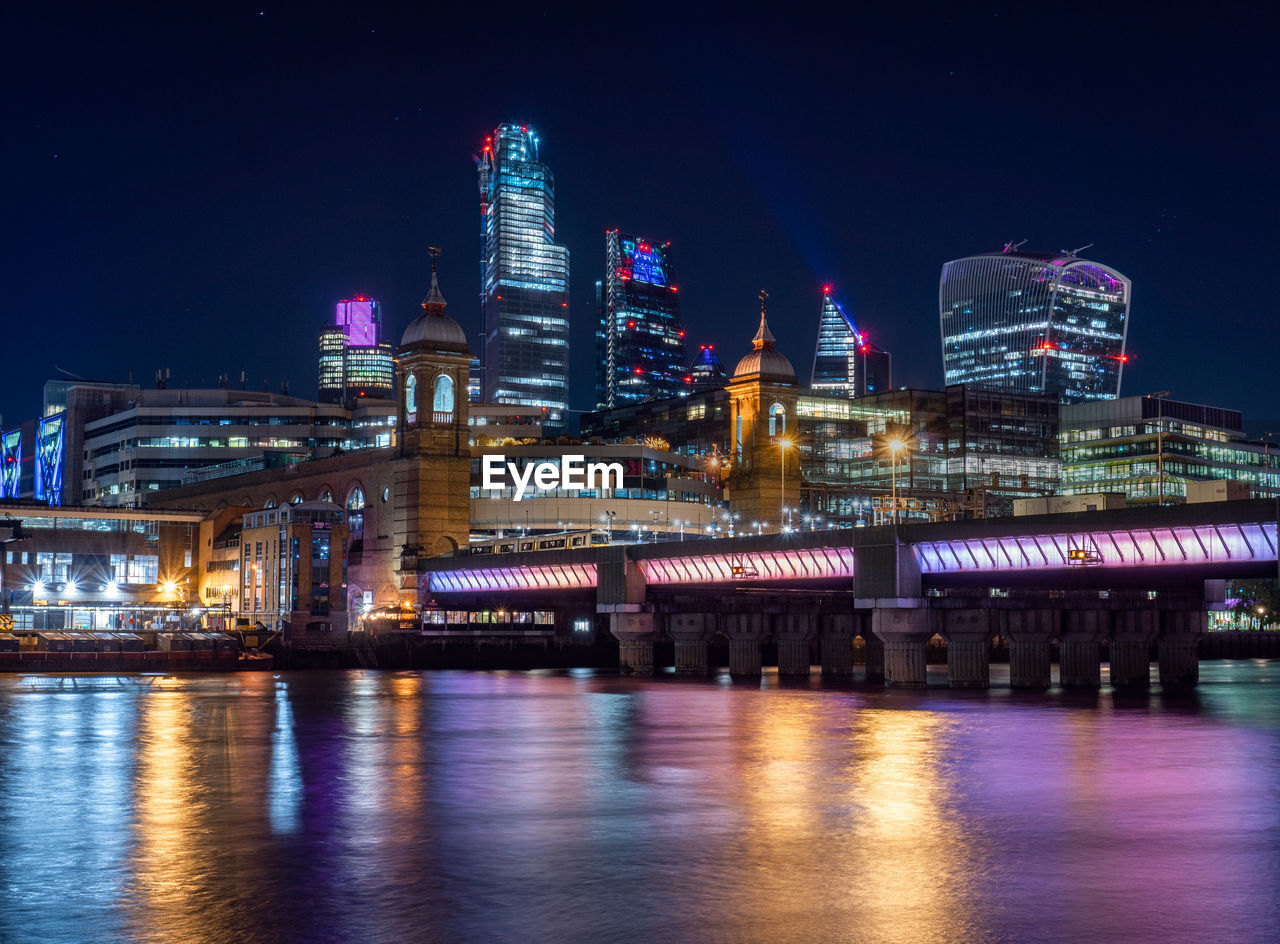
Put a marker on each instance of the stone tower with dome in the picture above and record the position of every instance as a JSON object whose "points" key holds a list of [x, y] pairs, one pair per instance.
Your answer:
{"points": [[433, 467], [765, 462]]}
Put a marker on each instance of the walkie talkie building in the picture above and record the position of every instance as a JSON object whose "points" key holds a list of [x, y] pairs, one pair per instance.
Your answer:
{"points": [[1030, 322]]}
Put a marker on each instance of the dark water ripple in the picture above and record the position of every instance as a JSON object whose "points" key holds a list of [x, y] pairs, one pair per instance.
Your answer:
{"points": [[356, 806]]}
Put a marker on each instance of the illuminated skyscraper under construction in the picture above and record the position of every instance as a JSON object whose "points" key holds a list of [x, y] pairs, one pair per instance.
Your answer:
{"points": [[524, 282], [640, 352], [354, 362], [1031, 322], [845, 361]]}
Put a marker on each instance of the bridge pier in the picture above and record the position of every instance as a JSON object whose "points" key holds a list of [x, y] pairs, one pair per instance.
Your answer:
{"points": [[635, 632], [1080, 658], [746, 632], [836, 644], [1133, 632], [904, 626], [691, 633], [1029, 632], [872, 651], [968, 633], [794, 634], [1179, 648]]}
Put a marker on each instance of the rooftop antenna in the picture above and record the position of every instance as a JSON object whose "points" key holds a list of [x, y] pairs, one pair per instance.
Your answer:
{"points": [[63, 370], [1011, 246], [1076, 252]]}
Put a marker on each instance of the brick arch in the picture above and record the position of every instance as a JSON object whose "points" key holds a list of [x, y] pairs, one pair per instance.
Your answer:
{"points": [[271, 501], [334, 494], [351, 485], [298, 494]]}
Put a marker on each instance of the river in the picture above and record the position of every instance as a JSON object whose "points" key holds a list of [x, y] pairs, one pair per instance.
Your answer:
{"points": [[580, 806]]}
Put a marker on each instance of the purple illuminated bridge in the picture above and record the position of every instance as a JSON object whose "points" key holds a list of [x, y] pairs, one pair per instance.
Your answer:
{"points": [[1128, 547], [1081, 589]]}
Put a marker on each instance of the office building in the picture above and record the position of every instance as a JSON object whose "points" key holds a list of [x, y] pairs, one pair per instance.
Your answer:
{"points": [[664, 496], [845, 361], [524, 277], [354, 362], [640, 351], [706, 372], [1029, 322], [1153, 450]]}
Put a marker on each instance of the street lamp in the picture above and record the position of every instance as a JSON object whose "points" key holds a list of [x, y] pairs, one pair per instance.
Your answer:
{"points": [[895, 447], [783, 444], [1160, 395]]}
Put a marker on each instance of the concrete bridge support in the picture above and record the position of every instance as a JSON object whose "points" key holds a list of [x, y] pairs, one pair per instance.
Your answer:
{"points": [[691, 633], [873, 651], [794, 633], [838, 630], [1132, 633], [904, 626], [635, 631], [746, 632], [968, 633], [1178, 647], [1029, 632], [1080, 658]]}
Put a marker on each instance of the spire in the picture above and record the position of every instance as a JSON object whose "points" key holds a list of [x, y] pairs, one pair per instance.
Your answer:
{"points": [[434, 303], [764, 337]]}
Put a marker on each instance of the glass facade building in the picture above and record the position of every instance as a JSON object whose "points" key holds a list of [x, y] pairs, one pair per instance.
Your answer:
{"points": [[845, 362], [1151, 449], [524, 277], [1031, 322], [354, 362], [706, 371], [640, 352]]}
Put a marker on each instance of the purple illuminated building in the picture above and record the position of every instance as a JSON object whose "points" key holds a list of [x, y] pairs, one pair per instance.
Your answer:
{"points": [[354, 362]]}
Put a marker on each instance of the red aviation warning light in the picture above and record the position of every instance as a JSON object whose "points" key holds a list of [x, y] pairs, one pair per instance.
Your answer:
{"points": [[826, 290]]}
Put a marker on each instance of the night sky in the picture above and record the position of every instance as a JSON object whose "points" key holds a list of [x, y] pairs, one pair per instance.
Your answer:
{"points": [[195, 190]]}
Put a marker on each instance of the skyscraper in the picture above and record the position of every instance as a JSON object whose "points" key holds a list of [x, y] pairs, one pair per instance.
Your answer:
{"points": [[354, 362], [1032, 322], [640, 351], [845, 361], [524, 284], [706, 371]]}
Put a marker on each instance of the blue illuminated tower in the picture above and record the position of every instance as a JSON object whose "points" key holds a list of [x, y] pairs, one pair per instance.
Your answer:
{"points": [[640, 352], [524, 277]]}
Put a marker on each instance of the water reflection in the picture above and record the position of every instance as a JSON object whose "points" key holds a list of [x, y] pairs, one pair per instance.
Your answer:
{"points": [[359, 806]]}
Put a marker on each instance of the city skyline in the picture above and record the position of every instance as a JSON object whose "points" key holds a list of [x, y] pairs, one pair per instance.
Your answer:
{"points": [[124, 229]]}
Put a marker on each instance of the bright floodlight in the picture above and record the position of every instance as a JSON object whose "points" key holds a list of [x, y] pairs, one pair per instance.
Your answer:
{"points": [[71, 586]]}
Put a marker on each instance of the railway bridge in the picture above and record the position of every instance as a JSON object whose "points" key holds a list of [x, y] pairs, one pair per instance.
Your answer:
{"points": [[1135, 579]]}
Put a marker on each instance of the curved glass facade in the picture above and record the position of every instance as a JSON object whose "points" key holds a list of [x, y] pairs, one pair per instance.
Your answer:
{"points": [[1034, 323], [524, 277]]}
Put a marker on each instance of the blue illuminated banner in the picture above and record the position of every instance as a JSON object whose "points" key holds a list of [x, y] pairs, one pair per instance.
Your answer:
{"points": [[10, 463], [49, 451], [642, 263]]}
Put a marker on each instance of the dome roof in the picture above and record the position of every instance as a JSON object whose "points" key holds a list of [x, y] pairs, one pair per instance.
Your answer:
{"points": [[433, 327], [765, 363]]}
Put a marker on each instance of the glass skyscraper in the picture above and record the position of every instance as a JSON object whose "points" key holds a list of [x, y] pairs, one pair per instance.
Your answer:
{"points": [[524, 277], [1032, 322], [354, 362], [845, 361], [640, 352]]}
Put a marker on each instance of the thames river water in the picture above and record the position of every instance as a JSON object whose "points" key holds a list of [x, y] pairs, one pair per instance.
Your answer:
{"points": [[526, 806]]}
